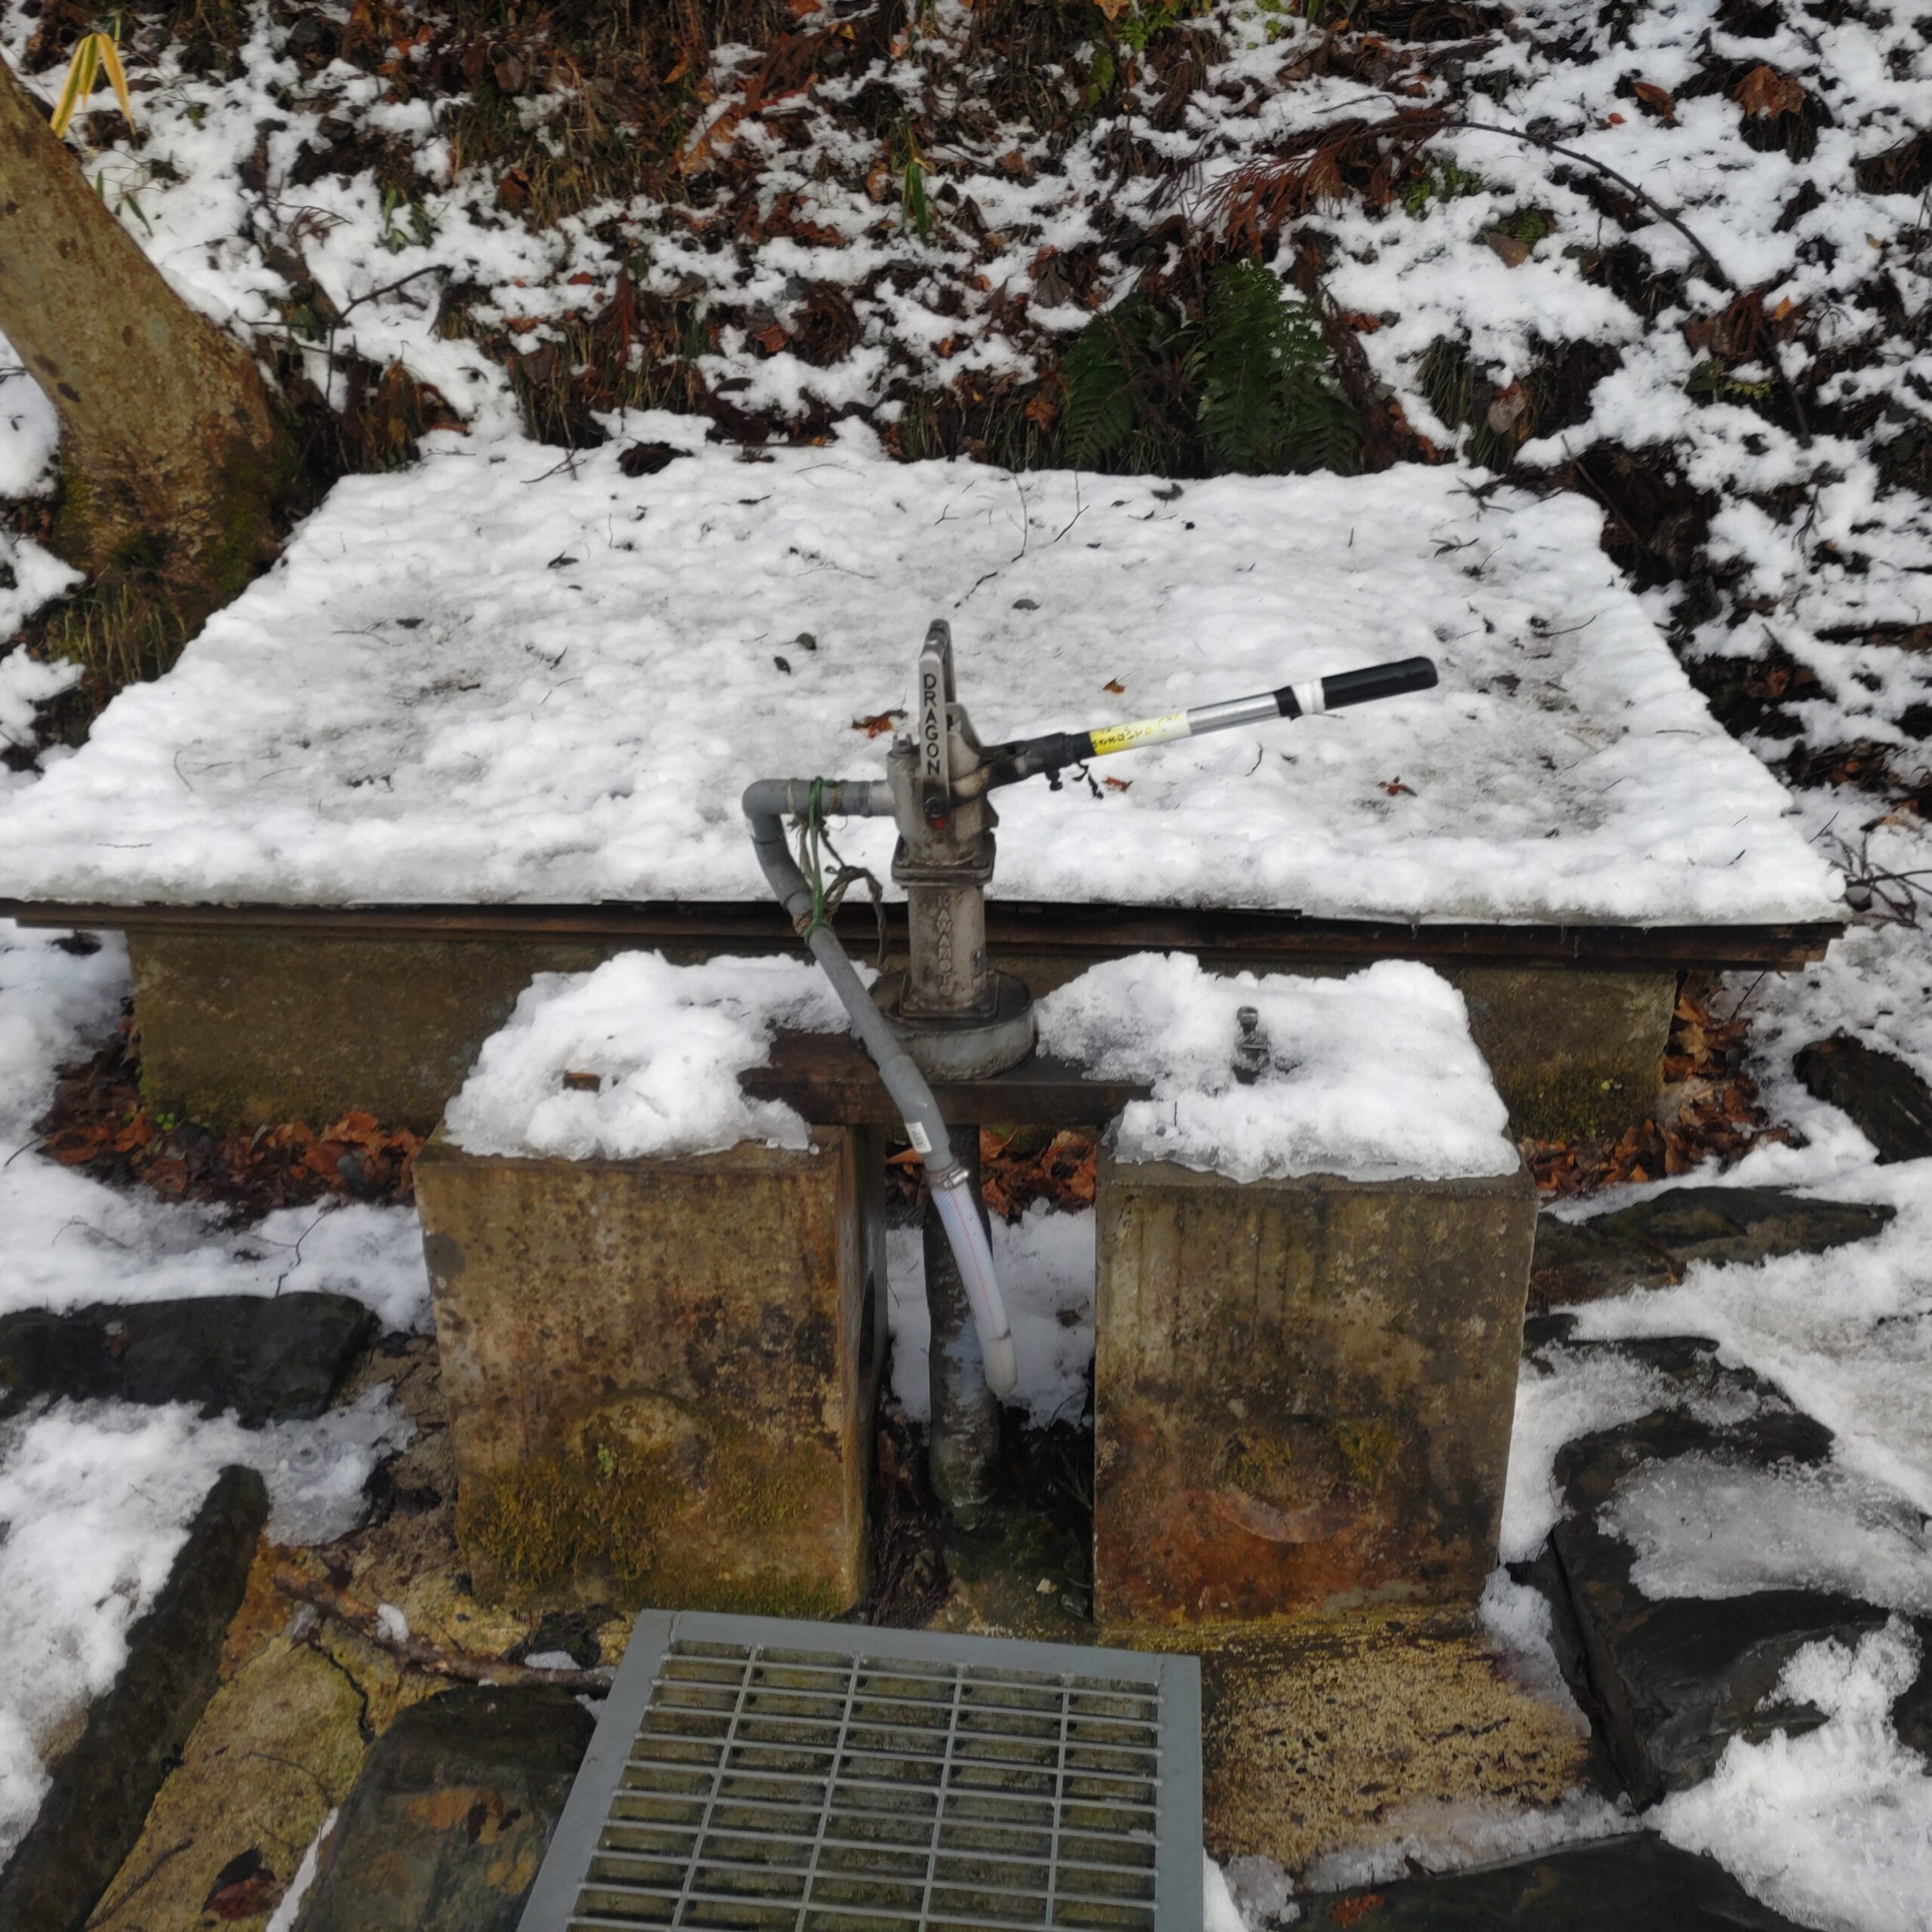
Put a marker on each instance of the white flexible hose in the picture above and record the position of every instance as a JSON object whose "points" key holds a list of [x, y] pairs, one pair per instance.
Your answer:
{"points": [[966, 1233]]}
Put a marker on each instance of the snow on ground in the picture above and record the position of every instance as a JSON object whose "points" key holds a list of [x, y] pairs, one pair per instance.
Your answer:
{"points": [[66, 1240], [1045, 1264], [97, 1498], [1371, 1077], [1833, 1828], [493, 677]]}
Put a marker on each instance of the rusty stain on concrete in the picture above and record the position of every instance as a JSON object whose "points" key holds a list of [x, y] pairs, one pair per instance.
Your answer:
{"points": [[1303, 1391]]}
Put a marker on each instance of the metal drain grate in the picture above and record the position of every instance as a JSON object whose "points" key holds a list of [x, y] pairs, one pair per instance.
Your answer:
{"points": [[752, 1775]]}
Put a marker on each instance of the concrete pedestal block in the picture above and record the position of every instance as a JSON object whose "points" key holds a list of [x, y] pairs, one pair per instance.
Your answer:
{"points": [[1304, 1391], [661, 1374]]}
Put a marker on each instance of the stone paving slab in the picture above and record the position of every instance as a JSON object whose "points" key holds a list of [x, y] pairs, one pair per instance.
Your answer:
{"points": [[448, 1823], [1637, 1883], [270, 1358]]}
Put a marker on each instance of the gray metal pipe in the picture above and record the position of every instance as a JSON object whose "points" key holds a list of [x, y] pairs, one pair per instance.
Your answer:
{"points": [[767, 803]]}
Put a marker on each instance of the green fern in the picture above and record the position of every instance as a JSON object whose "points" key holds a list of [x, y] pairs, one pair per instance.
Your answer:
{"points": [[1269, 400], [1098, 416]]}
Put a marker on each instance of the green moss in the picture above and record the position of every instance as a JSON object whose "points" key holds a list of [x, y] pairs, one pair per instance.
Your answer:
{"points": [[1370, 1449], [610, 1509], [1588, 1103]]}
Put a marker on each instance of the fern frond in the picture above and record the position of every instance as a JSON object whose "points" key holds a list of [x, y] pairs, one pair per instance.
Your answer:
{"points": [[1097, 415], [1269, 400]]}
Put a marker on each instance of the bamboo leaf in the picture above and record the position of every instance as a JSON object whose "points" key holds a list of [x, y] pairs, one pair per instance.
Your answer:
{"points": [[78, 85], [110, 59], [95, 52]]}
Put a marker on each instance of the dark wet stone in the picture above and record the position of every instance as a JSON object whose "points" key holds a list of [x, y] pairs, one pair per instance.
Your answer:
{"points": [[102, 1789], [270, 1358], [1621, 1884], [1669, 1683], [1650, 1245], [1888, 1102], [447, 1824]]}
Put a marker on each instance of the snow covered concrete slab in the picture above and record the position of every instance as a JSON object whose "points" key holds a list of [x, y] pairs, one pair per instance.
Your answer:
{"points": [[499, 677]]}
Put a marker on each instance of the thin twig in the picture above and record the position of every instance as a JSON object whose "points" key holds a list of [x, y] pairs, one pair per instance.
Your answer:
{"points": [[1656, 208], [431, 1658], [390, 287]]}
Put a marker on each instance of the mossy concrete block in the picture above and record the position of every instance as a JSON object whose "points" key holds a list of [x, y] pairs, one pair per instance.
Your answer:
{"points": [[661, 1374], [1576, 1055], [1304, 1390], [239, 1029]]}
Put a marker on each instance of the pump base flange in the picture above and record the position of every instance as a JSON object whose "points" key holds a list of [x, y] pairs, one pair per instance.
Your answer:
{"points": [[972, 1047]]}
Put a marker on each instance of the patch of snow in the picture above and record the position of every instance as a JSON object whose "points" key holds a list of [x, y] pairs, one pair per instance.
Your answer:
{"points": [[1703, 1528], [1564, 1394], [66, 1240], [97, 1498], [1516, 1617], [1846, 1335], [666, 1044], [1044, 1261], [283, 1917], [29, 433], [1833, 1827], [1220, 1913], [1374, 1076], [497, 677]]}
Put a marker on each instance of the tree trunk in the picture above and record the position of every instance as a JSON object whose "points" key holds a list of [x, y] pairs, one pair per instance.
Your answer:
{"points": [[170, 456]]}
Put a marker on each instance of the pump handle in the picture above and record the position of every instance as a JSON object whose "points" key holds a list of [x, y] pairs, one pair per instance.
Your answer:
{"points": [[1008, 764]]}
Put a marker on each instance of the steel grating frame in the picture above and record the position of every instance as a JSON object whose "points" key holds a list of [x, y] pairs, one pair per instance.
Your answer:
{"points": [[760, 1774]]}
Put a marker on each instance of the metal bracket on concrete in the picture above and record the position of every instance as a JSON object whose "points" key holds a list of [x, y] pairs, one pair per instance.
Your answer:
{"points": [[753, 1773]]}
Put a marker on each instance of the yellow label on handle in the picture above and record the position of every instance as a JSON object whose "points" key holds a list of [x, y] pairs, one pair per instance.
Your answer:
{"points": [[1143, 731]]}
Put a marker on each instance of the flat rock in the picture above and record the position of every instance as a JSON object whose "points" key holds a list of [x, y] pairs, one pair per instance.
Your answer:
{"points": [[102, 1789], [277, 1748], [447, 1824], [1650, 1244], [1670, 1681], [270, 1358], [1621, 1884], [1888, 1102]]}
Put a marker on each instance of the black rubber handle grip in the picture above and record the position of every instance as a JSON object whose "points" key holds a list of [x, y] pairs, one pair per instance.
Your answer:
{"points": [[1407, 674]]}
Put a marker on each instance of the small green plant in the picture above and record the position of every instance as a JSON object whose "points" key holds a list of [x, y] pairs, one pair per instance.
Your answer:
{"points": [[909, 163], [1269, 400], [1529, 225], [1249, 386], [1446, 182], [1710, 381], [394, 236], [1096, 416]]}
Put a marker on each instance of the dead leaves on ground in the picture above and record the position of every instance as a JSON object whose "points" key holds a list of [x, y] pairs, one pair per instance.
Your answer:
{"points": [[99, 1121], [1017, 1168], [1710, 1109]]}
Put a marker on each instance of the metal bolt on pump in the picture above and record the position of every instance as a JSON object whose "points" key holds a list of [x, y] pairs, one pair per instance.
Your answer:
{"points": [[950, 1015]]}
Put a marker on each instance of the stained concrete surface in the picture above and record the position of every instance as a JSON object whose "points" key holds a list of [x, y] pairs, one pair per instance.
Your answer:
{"points": [[662, 1373], [1318, 1738], [1303, 1390]]}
